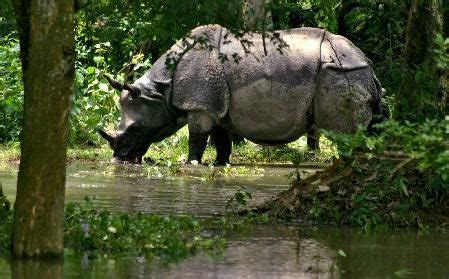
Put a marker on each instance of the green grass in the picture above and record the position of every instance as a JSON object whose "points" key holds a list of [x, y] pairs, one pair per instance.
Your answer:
{"points": [[174, 151]]}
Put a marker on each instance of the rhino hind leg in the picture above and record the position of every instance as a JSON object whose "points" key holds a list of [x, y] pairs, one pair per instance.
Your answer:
{"points": [[223, 144], [313, 139], [200, 127]]}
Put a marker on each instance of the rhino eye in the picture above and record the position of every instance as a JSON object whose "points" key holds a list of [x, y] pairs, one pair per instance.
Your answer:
{"points": [[135, 93]]}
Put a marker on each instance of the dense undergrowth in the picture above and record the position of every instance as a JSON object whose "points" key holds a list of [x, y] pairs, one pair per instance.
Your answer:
{"points": [[399, 178]]}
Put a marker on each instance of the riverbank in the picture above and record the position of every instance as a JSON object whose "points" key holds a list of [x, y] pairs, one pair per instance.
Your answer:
{"points": [[398, 178]]}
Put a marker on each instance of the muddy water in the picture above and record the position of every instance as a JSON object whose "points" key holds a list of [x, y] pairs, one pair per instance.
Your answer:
{"points": [[258, 251], [196, 190]]}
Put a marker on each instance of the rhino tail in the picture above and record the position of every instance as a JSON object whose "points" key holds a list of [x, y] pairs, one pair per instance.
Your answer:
{"points": [[379, 110]]}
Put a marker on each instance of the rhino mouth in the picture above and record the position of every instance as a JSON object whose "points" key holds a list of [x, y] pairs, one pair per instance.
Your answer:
{"points": [[132, 154], [128, 147], [122, 160]]}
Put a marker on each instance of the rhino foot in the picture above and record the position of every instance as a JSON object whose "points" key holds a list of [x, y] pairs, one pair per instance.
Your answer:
{"points": [[223, 145]]}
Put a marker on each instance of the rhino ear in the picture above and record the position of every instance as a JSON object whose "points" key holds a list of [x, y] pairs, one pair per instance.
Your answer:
{"points": [[134, 91], [162, 85]]}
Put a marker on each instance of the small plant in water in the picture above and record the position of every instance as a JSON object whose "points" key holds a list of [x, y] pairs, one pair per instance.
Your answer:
{"points": [[239, 200], [229, 171]]}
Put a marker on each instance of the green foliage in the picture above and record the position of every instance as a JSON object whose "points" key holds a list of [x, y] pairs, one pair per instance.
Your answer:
{"points": [[311, 13], [399, 177], [11, 89], [442, 59], [5, 222], [239, 200], [427, 142], [95, 102], [7, 20], [103, 232], [151, 27], [106, 232], [442, 52]]}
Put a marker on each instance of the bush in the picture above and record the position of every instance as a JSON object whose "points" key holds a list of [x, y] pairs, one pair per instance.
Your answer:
{"points": [[11, 89]]}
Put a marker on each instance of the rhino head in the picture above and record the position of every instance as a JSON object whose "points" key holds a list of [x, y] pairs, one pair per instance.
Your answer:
{"points": [[144, 119]]}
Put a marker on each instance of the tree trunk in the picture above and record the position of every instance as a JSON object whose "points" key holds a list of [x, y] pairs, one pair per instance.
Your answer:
{"points": [[446, 18], [256, 16], [420, 94], [46, 30]]}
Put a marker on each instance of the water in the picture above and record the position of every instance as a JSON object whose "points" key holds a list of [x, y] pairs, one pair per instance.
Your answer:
{"points": [[256, 251], [129, 188]]}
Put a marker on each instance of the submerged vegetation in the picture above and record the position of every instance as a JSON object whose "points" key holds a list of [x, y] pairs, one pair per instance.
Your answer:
{"points": [[142, 234], [100, 232], [168, 238]]}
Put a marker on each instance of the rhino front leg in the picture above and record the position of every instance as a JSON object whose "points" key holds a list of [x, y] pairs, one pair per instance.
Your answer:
{"points": [[223, 144], [200, 126]]}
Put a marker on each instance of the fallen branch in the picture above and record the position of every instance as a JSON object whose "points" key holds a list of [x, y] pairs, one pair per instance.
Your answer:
{"points": [[407, 163]]}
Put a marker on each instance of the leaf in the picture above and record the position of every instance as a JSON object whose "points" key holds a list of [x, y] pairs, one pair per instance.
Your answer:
{"points": [[342, 253], [103, 87], [240, 198], [402, 273], [90, 70]]}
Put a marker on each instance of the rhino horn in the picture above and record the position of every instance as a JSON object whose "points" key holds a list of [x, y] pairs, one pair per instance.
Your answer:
{"points": [[128, 87], [114, 83], [106, 136]]}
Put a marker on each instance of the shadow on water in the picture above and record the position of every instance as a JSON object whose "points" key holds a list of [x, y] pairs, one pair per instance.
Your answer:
{"points": [[253, 251]]}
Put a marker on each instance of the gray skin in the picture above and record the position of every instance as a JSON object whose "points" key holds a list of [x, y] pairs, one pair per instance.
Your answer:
{"points": [[319, 81]]}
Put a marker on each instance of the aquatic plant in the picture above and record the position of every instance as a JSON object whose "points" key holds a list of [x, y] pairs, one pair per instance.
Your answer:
{"points": [[103, 232], [144, 234]]}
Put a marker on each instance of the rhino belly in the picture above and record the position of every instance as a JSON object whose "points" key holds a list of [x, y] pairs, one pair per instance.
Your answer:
{"points": [[269, 112]]}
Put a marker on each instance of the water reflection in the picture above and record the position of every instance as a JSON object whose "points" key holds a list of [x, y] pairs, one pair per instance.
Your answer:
{"points": [[262, 252], [279, 251], [388, 254], [43, 268]]}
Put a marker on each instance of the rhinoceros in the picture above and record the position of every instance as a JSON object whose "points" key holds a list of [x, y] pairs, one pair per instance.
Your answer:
{"points": [[270, 88]]}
